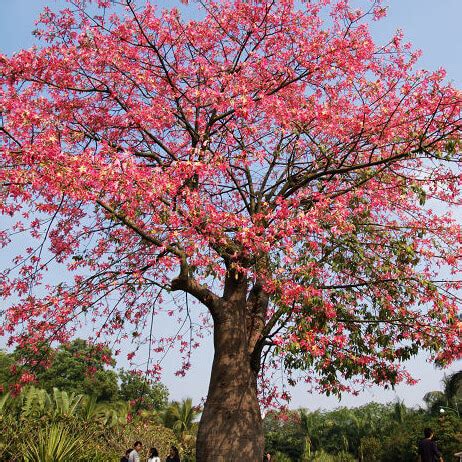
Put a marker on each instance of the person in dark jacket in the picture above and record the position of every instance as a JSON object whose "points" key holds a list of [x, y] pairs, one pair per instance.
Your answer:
{"points": [[428, 451], [127, 454], [174, 455]]}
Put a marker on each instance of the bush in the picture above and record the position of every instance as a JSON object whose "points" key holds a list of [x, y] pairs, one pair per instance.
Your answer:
{"points": [[149, 433], [322, 456], [344, 456], [55, 443], [281, 457], [371, 449], [38, 427]]}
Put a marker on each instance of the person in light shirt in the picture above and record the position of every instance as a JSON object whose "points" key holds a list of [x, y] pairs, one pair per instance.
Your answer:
{"points": [[135, 454], [153, 455]]}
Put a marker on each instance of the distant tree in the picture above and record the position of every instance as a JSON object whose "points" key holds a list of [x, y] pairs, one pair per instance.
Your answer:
{"points": [[449, 397], [6, 362], [453, 390], [286, 433], [399, 411], [308, 425], [370, 449], [144, 393], [448, 434], [77, 367], [370, 433]]}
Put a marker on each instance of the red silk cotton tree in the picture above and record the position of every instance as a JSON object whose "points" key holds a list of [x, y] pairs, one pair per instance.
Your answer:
{"points": [[268, 159]]}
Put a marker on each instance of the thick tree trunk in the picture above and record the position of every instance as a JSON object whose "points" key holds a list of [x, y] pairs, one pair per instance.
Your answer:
{"points": [[231, 425]]}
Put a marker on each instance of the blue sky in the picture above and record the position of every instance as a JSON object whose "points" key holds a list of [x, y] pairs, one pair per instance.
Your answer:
{"points": [[432, 26]]}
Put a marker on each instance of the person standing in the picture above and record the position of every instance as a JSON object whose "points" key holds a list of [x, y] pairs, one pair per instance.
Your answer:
{"points": [[135, 453], [126, 456], [174, 455], [153, 455], [428, 451]]}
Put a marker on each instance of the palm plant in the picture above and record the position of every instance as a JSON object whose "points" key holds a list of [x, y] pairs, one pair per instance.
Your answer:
{"points": [[450, 397], [35, 403], [105, 414], [65, 404], [453, 389], [112, 414], [54, 444], [180, 417]]}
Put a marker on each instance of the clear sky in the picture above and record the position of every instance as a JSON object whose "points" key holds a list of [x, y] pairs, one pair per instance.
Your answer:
{"points": [[432, 26]]}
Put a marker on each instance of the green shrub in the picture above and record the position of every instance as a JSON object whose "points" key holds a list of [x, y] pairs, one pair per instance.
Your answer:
{"points": [[150, 433], [371, 449], [54, 444], [322, 456], [344, 456], [281, 457]]}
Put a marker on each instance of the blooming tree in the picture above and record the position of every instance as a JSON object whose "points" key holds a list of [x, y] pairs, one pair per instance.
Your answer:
{"points": [[268, 160]]}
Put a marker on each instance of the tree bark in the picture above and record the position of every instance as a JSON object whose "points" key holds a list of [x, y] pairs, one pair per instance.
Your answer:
{"points": [[231, 425]]}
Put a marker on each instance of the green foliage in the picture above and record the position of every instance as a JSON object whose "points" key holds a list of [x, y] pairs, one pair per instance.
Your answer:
{"points": [[322, 456], [77, 367], [448, 432], [89, 404], [3, 402], [281, 457], [141, 391], [54, 444], [453, 387], [284, 434], [450, 398], [6, 361], [181, 418], [145, 429], [37, 403], [371, 433], [48, 424], [106, 415], [344, 456], [5, 417], [48, 427], [370, 449]]}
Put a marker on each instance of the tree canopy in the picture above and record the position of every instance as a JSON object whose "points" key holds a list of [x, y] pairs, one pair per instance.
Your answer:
{"points": [[81, 368], [269, 160], [76, 367], [142, 392]]}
